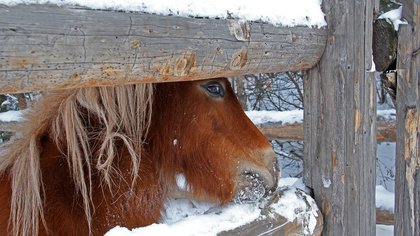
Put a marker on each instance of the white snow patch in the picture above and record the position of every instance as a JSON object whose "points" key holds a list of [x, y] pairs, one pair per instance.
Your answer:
{"points": [[175, 142], [9, 116], [326, 182], [300, 185], [284, 117], [384, 230], [288, 181], [294, 182], [384, 199], [280, 12], [394, 16], [293, 206], [181, 181], [296, 116], [185, 217], [373, 68], [387, 114]]}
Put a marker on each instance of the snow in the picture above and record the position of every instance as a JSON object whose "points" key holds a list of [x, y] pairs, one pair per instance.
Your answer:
{"points": [[181, 182], [300, 185], [373, 68], [283, 117], [394, 16], [385, 171], [384, 199], [187, 217], [288, 181], [9, 116], [384, 230], [296, 116], [291, 206], [280, 12], [387, 114], [326, 182]]}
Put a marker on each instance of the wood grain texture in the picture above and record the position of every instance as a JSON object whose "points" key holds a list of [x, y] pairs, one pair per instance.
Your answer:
{"points": [[408, 10], [384, 217], [385, 131], [407, 179], [45, 47], [340, 121]]}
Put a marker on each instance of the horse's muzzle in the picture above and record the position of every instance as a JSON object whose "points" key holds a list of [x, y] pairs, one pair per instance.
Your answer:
{"points": [[255, 182]]}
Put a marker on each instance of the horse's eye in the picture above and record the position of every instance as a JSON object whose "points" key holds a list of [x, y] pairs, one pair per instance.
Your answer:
{"points": [[214, 88]]}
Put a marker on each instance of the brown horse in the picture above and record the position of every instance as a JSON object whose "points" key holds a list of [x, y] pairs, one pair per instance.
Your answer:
{"points": [[89, 159]]}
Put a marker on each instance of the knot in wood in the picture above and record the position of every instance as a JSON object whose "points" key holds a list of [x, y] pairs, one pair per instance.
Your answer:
{"points": [[136, 44], [184, 63], [239, 59], [240, 30]]}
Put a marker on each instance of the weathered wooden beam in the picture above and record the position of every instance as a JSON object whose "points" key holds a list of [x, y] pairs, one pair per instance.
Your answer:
{"points": [[45, 47], [385, 132], [384, 217], [340, 121], [407, 161]]}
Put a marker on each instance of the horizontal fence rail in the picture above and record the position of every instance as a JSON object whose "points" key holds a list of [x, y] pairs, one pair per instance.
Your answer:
{"points": [[46, 47]]}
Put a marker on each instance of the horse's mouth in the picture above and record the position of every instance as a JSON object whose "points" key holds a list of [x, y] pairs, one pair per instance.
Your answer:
{"points": [[256, 185]]}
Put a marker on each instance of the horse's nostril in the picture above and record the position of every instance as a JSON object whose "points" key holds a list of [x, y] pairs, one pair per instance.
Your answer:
{"points": [[250, 189], [253, 186]]}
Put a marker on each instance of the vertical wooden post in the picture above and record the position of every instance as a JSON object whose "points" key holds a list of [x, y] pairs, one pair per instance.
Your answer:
{"points": [[407, 179], [340, 121]]}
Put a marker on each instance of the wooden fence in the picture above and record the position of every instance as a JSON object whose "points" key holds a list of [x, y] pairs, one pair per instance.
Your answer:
{"points": [[77, 47]]}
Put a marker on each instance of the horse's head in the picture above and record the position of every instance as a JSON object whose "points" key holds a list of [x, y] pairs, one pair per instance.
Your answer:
{"points": [[205, 145], [80, 148]]}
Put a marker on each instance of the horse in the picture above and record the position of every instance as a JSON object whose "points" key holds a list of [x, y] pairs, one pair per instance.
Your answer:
{"points": [[88, 159]]}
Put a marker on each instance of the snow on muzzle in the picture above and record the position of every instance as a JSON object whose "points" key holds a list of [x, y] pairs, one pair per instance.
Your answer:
{"points": [[256, 182]]}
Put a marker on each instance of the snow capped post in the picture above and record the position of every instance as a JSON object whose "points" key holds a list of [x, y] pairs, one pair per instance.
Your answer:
{"points": [[340, 121], [46, 47]]}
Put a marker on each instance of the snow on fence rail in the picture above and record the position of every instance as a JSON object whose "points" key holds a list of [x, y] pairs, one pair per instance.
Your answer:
{"points": [[46, 47]]}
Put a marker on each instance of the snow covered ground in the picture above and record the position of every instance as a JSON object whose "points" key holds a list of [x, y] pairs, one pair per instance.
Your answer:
{"points": [[11, 116], [280, 12]]}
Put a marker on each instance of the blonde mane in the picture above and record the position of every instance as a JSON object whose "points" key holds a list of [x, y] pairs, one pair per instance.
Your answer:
{"points": [[124, 113]]}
